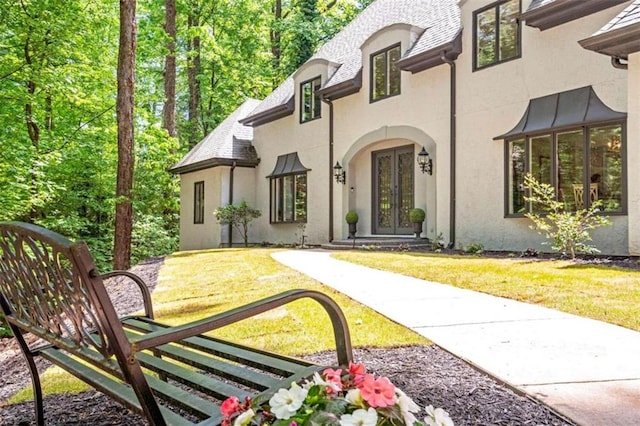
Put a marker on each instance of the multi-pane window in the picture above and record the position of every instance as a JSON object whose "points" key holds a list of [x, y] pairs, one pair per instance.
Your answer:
{"points": [[289, 198], [583, 165], [496, 33], [198, 202], [310, 100], [385, 73]]}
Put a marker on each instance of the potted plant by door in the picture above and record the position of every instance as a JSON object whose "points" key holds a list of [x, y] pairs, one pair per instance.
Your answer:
{"points": [[352, 220], [417, 218]]}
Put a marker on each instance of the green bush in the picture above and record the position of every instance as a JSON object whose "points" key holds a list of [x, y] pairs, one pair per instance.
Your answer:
{"points": [[351, 216], [417, 215], [238, 216], [567, 232]]}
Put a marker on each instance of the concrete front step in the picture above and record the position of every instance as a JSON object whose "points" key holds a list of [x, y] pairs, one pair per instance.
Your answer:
{"points": [[372, 243]]}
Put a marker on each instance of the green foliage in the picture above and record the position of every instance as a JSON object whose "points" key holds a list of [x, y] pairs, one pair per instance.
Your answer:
{"points": [[351, 217], [239, 216], [473, 248], [567, 232], [5, 331], [417, 215], [151, 238]]}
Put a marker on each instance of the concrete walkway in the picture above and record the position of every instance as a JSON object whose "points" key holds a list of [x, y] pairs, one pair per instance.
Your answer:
{"points": [[587, 370]]}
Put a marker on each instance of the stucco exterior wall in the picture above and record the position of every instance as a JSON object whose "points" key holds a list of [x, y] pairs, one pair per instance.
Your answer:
{"points": [[491, 101], [633, 152], [207, 234]]}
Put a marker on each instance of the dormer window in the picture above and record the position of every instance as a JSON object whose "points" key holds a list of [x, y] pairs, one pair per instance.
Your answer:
{"points": [[496, 33], [310, 100], [385, 73]]}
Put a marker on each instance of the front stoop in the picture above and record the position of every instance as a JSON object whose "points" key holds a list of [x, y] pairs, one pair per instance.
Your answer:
{"points": [[377, 243]]}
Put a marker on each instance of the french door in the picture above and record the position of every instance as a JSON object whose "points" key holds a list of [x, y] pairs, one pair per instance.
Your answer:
{"points": [[393, 190]]}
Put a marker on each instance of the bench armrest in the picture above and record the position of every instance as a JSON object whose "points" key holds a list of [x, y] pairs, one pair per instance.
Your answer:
{"points": [[172, 334], [144, 290]]}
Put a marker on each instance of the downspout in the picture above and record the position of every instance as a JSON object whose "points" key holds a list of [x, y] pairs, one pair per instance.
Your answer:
{"points": [[452, 160], [330, 103], [616, 61], [230, 232]]}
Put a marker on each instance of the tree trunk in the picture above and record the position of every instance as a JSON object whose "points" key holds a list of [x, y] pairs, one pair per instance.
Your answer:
{"points": [[193, 70], [169, 109], [275, 38], [124, 113]]}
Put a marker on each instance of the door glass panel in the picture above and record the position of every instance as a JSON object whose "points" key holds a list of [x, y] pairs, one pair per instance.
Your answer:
{"points": [[385, 192], [405, 188]]}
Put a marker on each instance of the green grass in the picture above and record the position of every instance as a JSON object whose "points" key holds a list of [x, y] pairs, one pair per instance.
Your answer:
{"points": [[604, 293], [193, 285]]}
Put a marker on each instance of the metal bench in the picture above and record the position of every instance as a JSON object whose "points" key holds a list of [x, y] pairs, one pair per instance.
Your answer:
{"points": [[50, 287]]}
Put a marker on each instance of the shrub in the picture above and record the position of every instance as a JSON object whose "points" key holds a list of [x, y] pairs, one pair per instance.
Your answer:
{"points": [[351, 217], [417, 215], [567, 232], [238, 216], [473, 248]]}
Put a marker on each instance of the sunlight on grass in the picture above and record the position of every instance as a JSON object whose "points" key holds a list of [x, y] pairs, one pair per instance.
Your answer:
{"points": [[194, 285], [598, 292]]}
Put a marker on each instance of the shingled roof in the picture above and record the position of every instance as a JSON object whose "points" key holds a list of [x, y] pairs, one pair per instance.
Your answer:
{"points": [[545, 14], [620, 37], [227, 144], [439, 21]]}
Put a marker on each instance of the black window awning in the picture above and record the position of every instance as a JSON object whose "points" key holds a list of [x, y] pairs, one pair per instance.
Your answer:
{"points": [[562, 110], [288, 164]]}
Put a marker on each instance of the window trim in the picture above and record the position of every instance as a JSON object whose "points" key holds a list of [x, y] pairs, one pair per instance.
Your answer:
{"points": [[314, 95], [372, 77], [586, 161], [198, 202], [496, 7], [272, 200]]}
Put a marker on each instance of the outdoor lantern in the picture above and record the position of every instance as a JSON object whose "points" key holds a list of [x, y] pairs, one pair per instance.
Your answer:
{"points": [[424, 161], [339, 173]]}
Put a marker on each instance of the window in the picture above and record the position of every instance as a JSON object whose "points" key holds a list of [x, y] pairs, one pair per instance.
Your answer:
{"points": [[289, 198], [385, 73], [583, 165], [310, 100], [496, 30], [198, 202]]}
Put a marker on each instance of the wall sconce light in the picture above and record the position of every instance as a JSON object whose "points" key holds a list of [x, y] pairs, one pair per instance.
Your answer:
{"points": [[424, 161], [339, 173]]}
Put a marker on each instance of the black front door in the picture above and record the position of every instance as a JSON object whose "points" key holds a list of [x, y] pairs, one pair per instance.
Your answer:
{"points": [[393, 171]]}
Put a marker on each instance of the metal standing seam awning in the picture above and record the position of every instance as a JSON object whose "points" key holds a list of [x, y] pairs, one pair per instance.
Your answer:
{"points": [[288, 164], [562, 110]]}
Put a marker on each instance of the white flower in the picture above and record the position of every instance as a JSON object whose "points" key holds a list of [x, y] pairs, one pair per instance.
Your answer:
{"points": [[317, 380], [407, 407], [437, 417], [354, 397], [244, 418], [360, 418], [287, 401]]}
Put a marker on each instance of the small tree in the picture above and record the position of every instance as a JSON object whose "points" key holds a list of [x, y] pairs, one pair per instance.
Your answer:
{"points": [[567, 231], [238, 216]]}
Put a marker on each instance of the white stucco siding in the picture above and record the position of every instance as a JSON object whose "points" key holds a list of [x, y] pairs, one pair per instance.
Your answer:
{"points": [[492, 101], [633, 153], [205, 235]]}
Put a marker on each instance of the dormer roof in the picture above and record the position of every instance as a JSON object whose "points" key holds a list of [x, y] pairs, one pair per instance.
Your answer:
{"points": [[620, 37], [545, 14]]}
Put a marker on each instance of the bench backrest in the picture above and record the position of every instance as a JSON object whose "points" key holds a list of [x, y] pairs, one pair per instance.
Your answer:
{"points": [[50, 286]]}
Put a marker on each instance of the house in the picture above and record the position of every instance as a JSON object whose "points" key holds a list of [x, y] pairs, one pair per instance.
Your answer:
{"points": [[488, 90]]}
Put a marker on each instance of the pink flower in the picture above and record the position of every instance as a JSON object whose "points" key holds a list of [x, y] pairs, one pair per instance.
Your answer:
{"points": [[356, 369], [230, 406], [378, 392], [334, 377]]}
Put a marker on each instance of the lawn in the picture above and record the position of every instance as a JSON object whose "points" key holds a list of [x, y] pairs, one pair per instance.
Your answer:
{"points": [[595, 291], [195, 284]]}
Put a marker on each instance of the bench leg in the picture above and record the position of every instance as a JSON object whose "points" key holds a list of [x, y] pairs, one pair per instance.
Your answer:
{"points": [[35, 378]]}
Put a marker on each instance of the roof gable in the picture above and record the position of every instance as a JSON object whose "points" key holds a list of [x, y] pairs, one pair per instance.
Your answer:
{"points": [[439, 21]]}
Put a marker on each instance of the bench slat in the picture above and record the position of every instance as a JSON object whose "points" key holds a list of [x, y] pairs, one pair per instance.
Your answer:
{"points": [[107, 385], [273, 363]]}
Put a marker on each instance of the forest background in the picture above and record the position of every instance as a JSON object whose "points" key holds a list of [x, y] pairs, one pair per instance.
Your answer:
{"points": [[196, 62]]}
